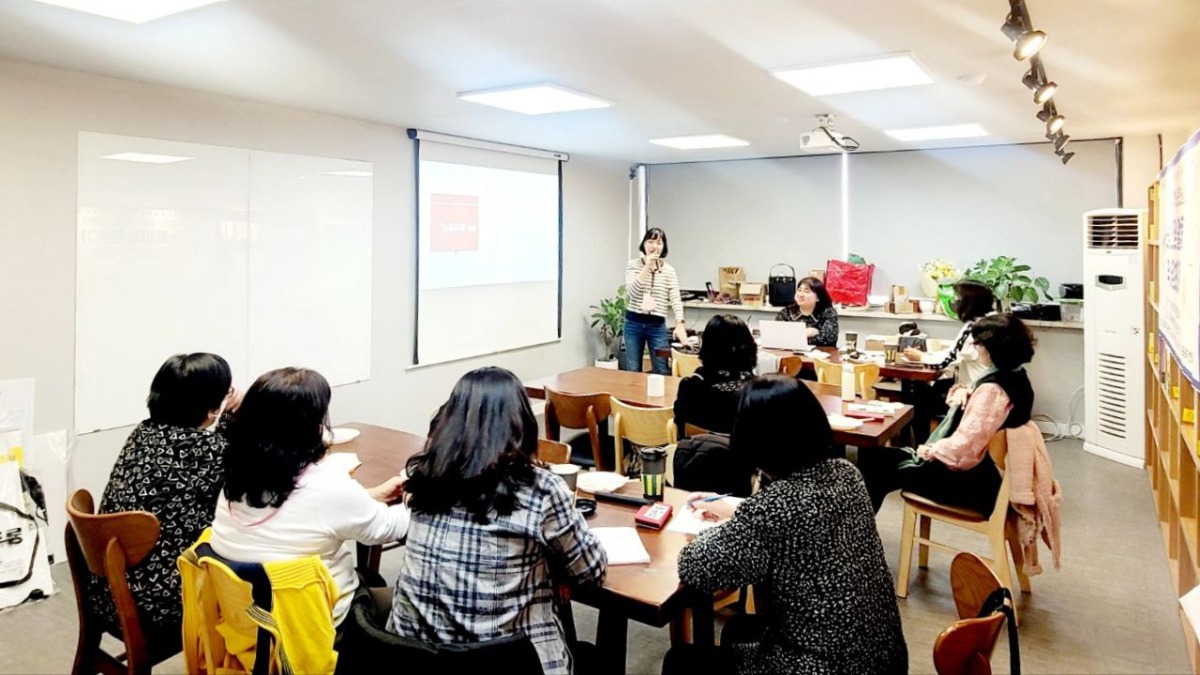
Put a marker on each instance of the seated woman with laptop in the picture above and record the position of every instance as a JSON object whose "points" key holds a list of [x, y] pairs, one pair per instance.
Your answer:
{"points": [[815, 308]]}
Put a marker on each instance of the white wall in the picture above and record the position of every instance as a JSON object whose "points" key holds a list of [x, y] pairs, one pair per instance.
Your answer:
{"points": [[43, 109]]}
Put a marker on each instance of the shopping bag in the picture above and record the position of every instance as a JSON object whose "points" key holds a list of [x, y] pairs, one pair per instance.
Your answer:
{"points": [[848, 283]]}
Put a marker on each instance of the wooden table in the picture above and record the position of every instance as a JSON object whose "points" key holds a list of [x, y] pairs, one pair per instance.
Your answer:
{"points": [[648, 593], [901, 370], [630, 387]]}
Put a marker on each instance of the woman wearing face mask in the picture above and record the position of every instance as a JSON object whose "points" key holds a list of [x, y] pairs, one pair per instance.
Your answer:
{"points": [[171, 466], [652, 288], [815, 308]]}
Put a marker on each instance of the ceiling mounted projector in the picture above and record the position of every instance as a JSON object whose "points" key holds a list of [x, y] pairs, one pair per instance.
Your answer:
{"points": [[824, 139]]}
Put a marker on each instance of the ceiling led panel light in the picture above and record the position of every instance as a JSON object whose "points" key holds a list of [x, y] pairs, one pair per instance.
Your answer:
{"points": [[700, 142], [133, 11], [938, 133], [538, 99], [147, 158], [898, 70]]}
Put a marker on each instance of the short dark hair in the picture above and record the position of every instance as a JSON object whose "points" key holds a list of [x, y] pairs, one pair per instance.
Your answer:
{"points": [[817, 286], [480, 450], [781, 427], [187, 388], [972, 300], [728, 345], [654, 233], [1007, 339], [277, 432]]}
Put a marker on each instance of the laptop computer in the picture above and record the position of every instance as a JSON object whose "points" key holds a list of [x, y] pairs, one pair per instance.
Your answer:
{"points": [[791, 335]]}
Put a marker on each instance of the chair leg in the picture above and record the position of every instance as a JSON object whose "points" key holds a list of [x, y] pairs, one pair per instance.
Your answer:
{"points": [[681, 628], [908, 532], [1000, 566], [86, 651], [922, 548]]}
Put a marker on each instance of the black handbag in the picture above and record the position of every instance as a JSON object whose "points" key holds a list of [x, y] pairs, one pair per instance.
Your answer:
{"points": [[781, 290]]}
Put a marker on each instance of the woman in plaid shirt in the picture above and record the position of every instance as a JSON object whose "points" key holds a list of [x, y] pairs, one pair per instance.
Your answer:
{"points": [[490, 529]]}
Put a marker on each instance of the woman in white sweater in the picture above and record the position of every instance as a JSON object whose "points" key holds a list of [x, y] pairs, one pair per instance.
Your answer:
{"points": [[280, 502], [652, 288]]}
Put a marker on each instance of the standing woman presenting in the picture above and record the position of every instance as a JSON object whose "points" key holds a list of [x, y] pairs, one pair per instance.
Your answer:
{"points": [[653, 291]]}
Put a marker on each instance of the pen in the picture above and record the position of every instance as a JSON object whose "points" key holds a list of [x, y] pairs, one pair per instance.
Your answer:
{"points": [[710, 499]]}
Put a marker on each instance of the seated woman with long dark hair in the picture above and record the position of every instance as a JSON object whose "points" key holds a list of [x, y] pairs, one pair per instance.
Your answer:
{"points": [[708, 397], [807, 542], [171, 466], [957, 469], [490, 528], [281, 502]]}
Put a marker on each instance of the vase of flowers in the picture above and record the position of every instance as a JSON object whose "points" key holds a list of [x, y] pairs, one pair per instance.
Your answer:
{"points": [[935, 273]]}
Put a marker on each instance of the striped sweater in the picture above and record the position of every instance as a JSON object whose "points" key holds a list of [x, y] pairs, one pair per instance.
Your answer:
{"points": [[663, 287]]}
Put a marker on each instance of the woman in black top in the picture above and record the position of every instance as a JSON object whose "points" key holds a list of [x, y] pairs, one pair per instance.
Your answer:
{"points": [[170, 466], [807, 542], [708, 397], [815, 308]]}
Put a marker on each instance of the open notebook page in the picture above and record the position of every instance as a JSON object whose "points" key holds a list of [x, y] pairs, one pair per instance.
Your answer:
{"points": [[622, 544]]}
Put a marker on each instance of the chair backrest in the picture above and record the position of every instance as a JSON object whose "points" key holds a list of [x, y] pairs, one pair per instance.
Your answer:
{"points": [[105, 545], [998, 449], [791, 365], [965, 648], [865, 376], [683, 364], [553, 452], [365, 645], [578, 411], [233, 617], [642, 426]]}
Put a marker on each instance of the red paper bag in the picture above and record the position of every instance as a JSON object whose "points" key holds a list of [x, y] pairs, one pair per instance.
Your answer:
{"points": [[848, 283]]}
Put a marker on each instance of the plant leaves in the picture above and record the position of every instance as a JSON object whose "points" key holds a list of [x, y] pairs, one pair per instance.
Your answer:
{"points": [[1022, 268], [1044, 284]]}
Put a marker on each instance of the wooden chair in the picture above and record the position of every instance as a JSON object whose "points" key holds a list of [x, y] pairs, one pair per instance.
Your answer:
{"points": [[553, 452], [578, 411], [998, 527], [865, 377], [683, 364], [651, 427], [966, 646], [791, 365], [106, 545]]}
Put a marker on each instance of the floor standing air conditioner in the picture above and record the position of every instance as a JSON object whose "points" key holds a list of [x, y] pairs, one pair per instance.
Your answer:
{"points": [[1113, 336]]}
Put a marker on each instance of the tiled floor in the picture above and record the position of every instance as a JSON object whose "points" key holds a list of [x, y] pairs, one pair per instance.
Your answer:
{"points": [[1110, 609]]}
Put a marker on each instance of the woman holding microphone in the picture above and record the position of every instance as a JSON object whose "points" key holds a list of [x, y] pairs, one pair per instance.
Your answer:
{"points": [[653, 292]]}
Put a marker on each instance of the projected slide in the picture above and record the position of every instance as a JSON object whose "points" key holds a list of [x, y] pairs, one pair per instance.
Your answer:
{"points": [[485, 226]]}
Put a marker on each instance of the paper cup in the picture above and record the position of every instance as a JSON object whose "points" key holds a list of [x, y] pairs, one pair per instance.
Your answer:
{"points": [[568, 472], [656, 386]]}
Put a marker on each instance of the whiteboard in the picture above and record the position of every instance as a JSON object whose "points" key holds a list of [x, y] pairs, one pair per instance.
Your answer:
{"points": [[263, 258]]}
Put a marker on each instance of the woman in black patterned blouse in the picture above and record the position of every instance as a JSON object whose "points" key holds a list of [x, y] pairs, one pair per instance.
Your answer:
{"points": [[807, 542], [172, 467], [815, 308]]}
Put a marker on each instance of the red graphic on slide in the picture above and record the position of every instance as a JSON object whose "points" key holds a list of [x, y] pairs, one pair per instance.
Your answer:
{"points": [[454, 223]]}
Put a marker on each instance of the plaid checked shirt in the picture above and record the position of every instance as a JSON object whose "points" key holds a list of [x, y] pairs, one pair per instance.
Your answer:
{"points": [[466, 582]]}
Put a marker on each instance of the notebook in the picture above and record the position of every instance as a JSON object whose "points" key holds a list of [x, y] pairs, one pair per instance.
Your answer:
{"points": [[622, 544], [689, 521], [791, 335]]}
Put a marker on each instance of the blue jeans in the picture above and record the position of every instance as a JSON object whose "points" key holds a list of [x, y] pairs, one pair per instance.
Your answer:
{"points": [[642, 330]]}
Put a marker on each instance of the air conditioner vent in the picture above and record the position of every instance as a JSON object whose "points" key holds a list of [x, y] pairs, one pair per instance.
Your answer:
{"points": [[1112, 387], [1113, 231]]}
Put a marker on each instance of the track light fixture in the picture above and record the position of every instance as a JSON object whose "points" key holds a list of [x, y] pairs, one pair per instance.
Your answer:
{"points": [[1027, 44], [1059, 139]]}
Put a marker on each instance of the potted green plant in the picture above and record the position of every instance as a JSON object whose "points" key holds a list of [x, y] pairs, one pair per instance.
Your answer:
{"points": [[1009, 281], [609, 319]]}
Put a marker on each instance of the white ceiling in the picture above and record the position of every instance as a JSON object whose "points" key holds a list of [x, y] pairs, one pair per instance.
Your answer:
{"points": [[672, 67]]}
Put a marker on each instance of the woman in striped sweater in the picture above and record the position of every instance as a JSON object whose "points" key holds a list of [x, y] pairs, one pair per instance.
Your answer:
{"points": [[652, 288]]}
